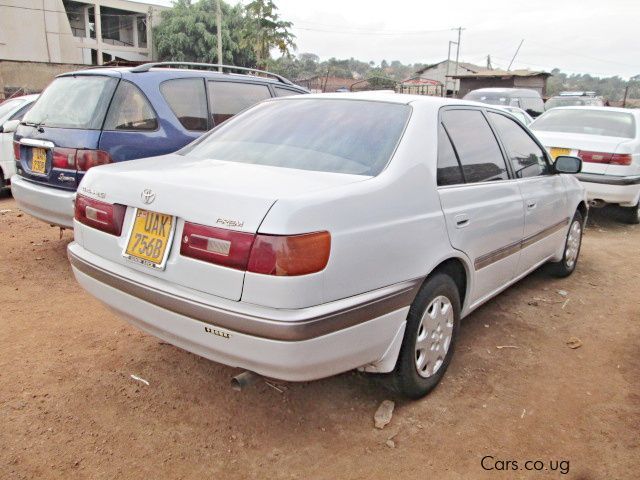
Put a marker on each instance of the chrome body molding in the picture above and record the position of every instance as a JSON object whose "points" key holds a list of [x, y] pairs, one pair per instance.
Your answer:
{"points": [[503, 252], [275, 324], [32, 142]]}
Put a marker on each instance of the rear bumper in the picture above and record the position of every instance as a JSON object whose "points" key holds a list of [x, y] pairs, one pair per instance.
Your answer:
{"points": [[611, 189], [296, 345], [44, 203]]}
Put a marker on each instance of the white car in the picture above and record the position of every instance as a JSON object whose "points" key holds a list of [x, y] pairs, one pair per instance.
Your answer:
{"points": [[11, 112], [608, 142], [317, 234]]}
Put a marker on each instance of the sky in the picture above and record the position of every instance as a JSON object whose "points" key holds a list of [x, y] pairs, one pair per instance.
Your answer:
{"points": [[599, 37]]}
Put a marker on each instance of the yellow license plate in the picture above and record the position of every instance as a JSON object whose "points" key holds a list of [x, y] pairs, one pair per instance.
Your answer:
{"points": [[39, 160], [556, 152], [150, 238]]}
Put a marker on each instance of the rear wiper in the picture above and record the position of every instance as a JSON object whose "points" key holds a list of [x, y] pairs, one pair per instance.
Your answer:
{"points": [[34, 124]]}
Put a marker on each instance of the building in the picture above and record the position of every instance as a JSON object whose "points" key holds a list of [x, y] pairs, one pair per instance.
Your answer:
{"points": [[89, 32], [443, 72], [40, 39], [503, 79]]}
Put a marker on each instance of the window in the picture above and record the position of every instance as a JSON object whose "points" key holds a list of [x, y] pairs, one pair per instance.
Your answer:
{"points": [[78, 101], [477, 148], [228, 98], [449, 171], [130, 110], [285, 92], [527, 158], [324, 135], [188, 101]]}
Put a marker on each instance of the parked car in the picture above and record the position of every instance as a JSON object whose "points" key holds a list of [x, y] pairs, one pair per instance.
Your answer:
{"points": [[520, 114], [11, 112], [608, 142], [528, 100], [305, 237], [574, 99], [109, 115]]}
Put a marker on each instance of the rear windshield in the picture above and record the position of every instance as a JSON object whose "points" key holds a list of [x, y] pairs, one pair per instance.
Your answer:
{"points": [[73, 102], [590, 122], [341, 136], [490, 98], [571, 102]]}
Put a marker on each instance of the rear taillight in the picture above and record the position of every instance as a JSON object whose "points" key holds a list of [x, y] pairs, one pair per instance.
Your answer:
{"points": [[100, 215], [16, 151], [621, 159], [290, 255], [64, 158], [79, 159], [216, 245], [85, 159], [594, 157], [282, 255]]}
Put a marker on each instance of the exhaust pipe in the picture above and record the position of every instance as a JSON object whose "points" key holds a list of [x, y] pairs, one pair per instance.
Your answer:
{"points": [[240, 382], [596, 203]]}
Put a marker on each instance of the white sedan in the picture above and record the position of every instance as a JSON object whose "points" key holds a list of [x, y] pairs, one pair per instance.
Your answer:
{"points": [[608, 142], [11, 112], [317, 234]]}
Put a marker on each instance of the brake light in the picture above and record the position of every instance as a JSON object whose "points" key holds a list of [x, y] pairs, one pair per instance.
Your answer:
{"points": [[594, 157], [621, 159], [216, 245], [16, 151], [64, 157], [85, 159], [290, 255], [282, 255], [100, 215]]}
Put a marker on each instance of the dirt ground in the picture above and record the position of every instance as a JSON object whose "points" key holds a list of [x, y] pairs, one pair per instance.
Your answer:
{"points": [[70, 409]]}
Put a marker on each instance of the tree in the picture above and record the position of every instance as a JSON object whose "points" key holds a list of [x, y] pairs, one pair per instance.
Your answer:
{"points": [[264, 31], [187, 33]]}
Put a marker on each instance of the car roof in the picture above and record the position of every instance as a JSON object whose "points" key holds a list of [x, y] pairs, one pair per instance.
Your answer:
{"points": [[169, 73], [635, 112], [424, 101]]}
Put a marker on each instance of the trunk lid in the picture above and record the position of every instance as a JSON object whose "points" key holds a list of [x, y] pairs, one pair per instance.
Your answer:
{"points": [[576, 142], [220, 194]]}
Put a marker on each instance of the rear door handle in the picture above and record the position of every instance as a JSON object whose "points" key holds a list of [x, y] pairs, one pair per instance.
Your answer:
{"points": [[462, 220], [531, 204]]}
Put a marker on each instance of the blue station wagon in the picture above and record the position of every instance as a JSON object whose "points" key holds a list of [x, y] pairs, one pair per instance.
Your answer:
{"points": [[97, 116]]}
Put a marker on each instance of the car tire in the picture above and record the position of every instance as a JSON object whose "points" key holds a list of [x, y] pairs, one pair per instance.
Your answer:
{"points": [[429, 338], [571, 252], [631, 214]]}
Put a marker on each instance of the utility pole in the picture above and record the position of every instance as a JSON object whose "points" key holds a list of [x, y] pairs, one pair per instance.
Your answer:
{"points": [[219, 29], [514, 55], [459, 29], [626, 92]]}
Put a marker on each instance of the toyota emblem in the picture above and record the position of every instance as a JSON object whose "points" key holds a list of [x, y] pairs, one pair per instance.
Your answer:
{"points": [[147, 196]]}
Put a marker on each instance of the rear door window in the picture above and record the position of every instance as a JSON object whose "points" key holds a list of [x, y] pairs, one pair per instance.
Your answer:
{"points": [[73, 102], [228, 98], [187, 99], [477, 147], [527, 158], [130, 110]]}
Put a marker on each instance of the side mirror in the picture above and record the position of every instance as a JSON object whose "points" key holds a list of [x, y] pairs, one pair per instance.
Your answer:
{"points": [[567, 164], [10, 126]]}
